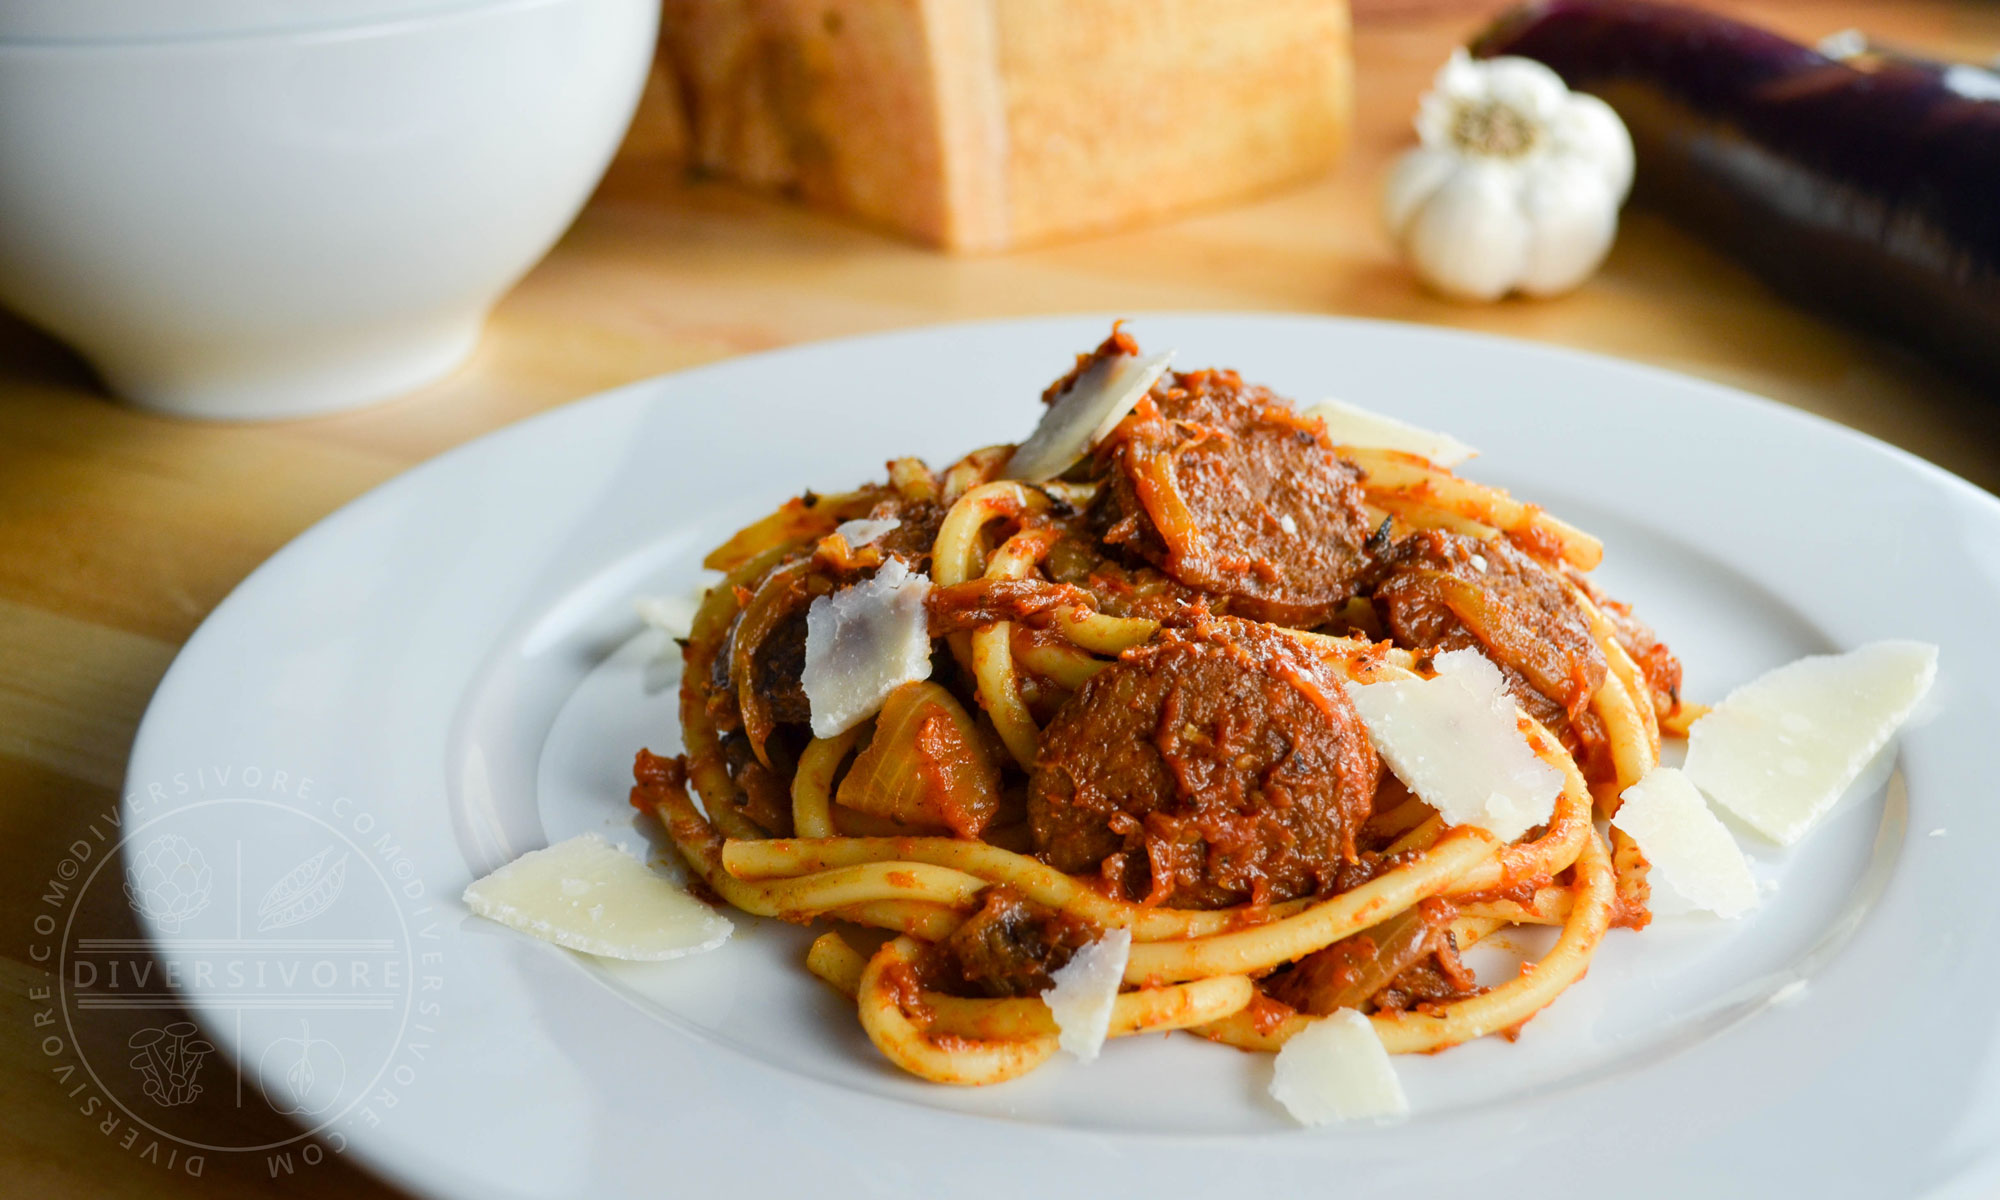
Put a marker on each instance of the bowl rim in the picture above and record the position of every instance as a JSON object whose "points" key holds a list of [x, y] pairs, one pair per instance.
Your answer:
{"points": [[318, 29]]}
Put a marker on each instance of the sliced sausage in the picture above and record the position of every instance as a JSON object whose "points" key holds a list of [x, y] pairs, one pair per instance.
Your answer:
{"points": [[1226, 489], [1211, 766], [1446, 591]]}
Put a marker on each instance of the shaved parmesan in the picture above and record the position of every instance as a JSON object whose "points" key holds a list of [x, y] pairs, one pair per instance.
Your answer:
{"points": [[671, 615], [1351, 425], [1456, 741], [1335, 1069], [1688, 850], [860, 532], [1780, 750], [863, 642], [589, 895], [1086, 989], [1089, 409]]}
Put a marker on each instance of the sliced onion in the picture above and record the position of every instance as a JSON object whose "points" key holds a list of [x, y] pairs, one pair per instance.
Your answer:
{"points": [[1349, 972], [775, 599], [926, 765]]}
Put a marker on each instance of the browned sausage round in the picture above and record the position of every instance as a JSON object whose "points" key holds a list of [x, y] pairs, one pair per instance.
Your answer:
{"points": [[1227, 490], [1446, 591], [1208, 767]]}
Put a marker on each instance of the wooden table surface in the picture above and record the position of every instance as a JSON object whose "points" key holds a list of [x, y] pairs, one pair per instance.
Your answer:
{"points": [[120, 531]]}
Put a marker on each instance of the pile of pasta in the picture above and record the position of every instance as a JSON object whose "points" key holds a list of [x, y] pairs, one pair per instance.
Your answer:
{"points": [[1197, 969]]}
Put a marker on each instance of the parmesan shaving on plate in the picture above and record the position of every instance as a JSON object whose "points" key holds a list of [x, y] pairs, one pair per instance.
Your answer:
{"points": [[1351, 425], [1335, 1069], [671, 615], [1086, 989], [589, 895], [863, 530], [1455, 740], [1779, 751], [1789, 994], [1689, 851], [863, 642], [1084, 414]]}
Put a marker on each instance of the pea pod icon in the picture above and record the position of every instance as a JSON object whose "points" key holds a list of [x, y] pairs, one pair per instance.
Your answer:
{"points": [[305, 892]]}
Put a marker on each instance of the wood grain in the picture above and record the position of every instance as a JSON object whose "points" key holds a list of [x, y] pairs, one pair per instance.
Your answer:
{"points": [[119, 531]]}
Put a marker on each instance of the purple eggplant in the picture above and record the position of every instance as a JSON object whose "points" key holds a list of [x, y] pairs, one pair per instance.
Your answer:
{"points": [[1869, 189]]}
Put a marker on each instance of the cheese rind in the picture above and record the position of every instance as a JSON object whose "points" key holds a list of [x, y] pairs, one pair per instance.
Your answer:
{"points": [[1086, 989], [1352, 425], [1779, 751], [1457, 742], [589, 895], [1688, 850], [863, 642], [992, 126], [1335, 1069]]}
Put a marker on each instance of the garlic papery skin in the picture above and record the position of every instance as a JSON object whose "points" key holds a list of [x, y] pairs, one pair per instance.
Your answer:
{"points": [[1514, 186]]}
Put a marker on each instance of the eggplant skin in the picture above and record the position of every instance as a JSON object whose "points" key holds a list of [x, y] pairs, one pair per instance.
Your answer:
{"points": [[1868, 191]]}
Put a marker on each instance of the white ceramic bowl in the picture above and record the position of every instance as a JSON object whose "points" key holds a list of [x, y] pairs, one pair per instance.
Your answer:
{"points": [[273, 215]]}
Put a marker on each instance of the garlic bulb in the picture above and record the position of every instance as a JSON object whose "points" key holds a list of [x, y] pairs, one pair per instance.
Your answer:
{"points": [[1516, 184]]}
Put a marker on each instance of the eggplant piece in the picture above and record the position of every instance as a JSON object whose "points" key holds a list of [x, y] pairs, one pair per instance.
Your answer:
{"points": [[1856, 49], [1869, 189]]}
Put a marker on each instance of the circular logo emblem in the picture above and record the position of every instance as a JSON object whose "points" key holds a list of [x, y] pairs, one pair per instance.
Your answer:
{"points": [[292, 925]]}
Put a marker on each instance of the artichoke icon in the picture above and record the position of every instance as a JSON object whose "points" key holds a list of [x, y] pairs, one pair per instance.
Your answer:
{"points": [[168, 882]]}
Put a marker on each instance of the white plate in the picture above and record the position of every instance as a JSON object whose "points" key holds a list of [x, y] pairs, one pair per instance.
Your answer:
{"points": [[456, 656]]}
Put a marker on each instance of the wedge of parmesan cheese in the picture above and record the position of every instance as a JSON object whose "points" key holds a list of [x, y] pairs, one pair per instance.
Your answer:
{"points": [[589, 895], [1351, 425], [1335, 1069], [1781, 749], [1455, 740], [1086, 989], [1084, 414], [863, 530], [1689, 851], [863, 642]]}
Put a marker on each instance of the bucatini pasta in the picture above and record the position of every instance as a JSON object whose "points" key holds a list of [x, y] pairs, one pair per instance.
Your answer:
{"points": [[1140, 714]]}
